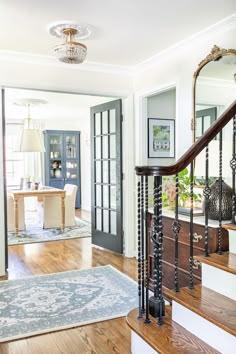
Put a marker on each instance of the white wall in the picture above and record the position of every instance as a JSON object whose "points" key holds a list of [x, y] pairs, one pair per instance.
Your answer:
{"points": [[56, 77], [163, 106], [176, 67], [2, 219]]}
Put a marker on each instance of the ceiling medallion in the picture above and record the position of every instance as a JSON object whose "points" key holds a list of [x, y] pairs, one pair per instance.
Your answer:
{"points": [[70, 51]]}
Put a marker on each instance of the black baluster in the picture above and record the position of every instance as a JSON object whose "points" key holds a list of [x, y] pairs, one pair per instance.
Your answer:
{"points": [[176, 229], [220, 196], [156, 302], [139, 250], [191, 285], [233, 166], [147, 320], [160, 247], [206, 194], [142, 245]]}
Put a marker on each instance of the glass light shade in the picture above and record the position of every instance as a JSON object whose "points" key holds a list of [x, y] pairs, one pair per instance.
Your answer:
{"points": [[31, 141], [71, 52]]}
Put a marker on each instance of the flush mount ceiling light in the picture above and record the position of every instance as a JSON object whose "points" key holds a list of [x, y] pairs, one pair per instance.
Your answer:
{"points": [[70, 51]]}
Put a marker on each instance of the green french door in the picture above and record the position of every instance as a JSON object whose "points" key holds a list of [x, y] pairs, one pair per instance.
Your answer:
{"points": [[106, 175]]}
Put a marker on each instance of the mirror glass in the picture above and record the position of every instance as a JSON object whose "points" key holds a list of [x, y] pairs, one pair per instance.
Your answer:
{"points": [[214, 88]]}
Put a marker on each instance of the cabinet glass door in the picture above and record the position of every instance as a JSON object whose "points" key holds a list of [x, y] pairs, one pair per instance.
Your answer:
{"points": [[55, 153], [71, 154]]}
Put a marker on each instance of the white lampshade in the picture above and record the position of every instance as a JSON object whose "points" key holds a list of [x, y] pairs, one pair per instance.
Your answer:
{"points": [[213, 167], [31, 141]]}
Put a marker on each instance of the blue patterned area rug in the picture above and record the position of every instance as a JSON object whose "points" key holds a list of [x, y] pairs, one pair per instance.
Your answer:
{"points": [[35, 233], [42, 304]]}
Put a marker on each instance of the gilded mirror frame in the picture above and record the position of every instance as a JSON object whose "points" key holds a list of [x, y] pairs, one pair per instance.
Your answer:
{"points": [[215, 54]]}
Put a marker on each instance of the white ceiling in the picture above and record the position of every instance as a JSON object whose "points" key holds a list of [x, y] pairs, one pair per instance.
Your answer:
{"points": [[59, 107], [125, 32]]}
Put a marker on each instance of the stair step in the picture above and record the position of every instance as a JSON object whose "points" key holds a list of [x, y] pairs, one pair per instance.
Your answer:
{"points": [[226, 261], [229, 226], [214, 307], [170, 338]]}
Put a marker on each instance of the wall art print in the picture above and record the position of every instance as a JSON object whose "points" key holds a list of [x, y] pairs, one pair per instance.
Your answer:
{"points": [[161, 138]]}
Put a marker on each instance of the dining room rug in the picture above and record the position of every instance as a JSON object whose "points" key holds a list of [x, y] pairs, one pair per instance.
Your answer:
{"points": [[35, 233], [46, 303]]}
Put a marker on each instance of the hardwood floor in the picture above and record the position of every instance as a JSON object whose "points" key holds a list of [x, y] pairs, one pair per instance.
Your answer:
{"points": [[100, 338]]}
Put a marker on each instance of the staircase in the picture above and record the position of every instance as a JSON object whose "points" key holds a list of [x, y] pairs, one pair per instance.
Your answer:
{"points": [[199, 318]]}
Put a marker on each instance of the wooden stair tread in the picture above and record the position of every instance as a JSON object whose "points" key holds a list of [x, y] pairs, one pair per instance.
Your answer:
{"points": [[214, 307], [226, 261], [170, 338], [229, 226]]}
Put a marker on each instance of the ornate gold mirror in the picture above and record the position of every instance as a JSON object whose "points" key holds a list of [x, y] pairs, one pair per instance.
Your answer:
{"points": [[214, 88]]}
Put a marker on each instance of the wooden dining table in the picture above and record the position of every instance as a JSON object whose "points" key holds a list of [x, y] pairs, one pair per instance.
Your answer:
{"points": [[42, 192]]}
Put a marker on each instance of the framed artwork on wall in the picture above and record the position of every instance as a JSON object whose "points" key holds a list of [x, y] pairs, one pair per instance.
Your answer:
{"points": [[161, 138]]}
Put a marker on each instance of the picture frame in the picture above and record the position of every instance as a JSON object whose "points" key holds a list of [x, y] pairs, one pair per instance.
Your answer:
{"points": [[161, 138]]}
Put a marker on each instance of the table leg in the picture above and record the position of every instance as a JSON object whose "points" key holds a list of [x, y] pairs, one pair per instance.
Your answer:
{"points": [[62, 213], [16, 212]]}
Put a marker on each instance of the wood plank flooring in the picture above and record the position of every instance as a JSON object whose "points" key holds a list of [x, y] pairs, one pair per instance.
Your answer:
{"points": [[43, 258]]}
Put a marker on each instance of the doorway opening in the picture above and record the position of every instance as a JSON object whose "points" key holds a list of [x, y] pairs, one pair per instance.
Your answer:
{"points": [[63, 112]]}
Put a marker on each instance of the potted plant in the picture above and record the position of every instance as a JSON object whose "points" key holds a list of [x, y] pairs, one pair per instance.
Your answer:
{"points": [[184, 198]]}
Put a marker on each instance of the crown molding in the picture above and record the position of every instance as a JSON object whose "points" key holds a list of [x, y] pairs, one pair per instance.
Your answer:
{"points": [[224, 25], [29, 58]]}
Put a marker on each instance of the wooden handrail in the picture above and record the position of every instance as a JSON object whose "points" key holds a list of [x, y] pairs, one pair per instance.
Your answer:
{"points": [[193, 151]]}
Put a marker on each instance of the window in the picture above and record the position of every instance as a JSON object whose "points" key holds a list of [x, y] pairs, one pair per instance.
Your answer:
{"points": [[14, 162]]}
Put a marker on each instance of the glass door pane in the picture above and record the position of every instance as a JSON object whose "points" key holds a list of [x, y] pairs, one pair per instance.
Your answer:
{"points": [[70, 141], [55, 146], [55, 153], [106, 176]]}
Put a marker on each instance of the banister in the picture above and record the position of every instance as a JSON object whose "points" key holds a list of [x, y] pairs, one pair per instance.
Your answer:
{"points": [[193, 151]]}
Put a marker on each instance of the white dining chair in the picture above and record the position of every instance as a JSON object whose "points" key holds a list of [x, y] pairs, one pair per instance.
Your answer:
{"points": [[52, 208], [11, 214]]}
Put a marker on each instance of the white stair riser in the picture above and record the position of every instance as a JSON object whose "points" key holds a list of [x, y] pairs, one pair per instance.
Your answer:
{"points": [[205, 330], [232, 241], [139, 346], [219, 280]]}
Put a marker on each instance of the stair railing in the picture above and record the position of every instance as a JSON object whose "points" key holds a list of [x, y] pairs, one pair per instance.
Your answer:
{"points": [[155, 304]]}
